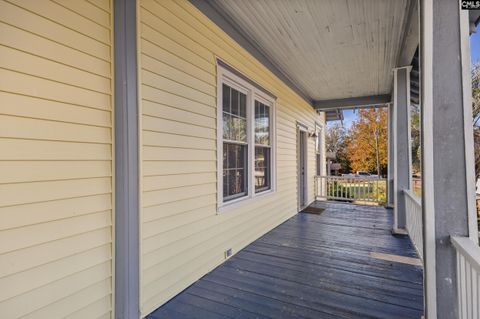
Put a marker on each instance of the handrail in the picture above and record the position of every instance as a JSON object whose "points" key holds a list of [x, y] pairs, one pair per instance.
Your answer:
{"points": [[468, 249], [351, 188], [412, 196], [468, 277], [414, 220]]}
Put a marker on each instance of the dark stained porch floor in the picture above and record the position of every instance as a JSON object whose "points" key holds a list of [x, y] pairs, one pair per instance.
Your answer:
{"points": [[311, 266]]}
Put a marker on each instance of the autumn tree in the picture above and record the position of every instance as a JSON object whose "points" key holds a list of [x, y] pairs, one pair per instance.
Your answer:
{"points": [[475, 73], [367, 145]]}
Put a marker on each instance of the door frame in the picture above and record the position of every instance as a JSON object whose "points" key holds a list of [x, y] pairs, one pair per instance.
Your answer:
{"points": [[302, 132]]}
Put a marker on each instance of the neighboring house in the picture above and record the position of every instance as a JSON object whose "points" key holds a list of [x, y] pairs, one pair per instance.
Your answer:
{"points": [[201, 191]]}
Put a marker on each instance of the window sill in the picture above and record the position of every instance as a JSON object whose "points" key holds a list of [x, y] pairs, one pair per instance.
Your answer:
{"points": [[239, 202]]}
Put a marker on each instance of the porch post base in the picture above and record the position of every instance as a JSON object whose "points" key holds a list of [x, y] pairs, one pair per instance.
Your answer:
{"points": [[399, 231]]}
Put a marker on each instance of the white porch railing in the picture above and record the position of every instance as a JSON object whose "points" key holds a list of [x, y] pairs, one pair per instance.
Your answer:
{"points": [[350, 188], [414, 220], [468, 277]]}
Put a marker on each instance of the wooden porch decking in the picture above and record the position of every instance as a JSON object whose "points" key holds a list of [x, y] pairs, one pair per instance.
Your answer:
{"points": [[311, 266]]}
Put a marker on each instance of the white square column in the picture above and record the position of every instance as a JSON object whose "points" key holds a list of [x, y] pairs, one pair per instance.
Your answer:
{"points": [[402, 162]]}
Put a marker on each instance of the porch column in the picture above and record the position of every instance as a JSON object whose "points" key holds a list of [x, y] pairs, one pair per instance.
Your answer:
{"points": [[402, 176], [448, 162], [126, 162], [391, 153]]}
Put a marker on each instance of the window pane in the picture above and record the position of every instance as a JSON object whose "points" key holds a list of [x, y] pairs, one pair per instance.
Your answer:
{"points": [[234, 102], [234, 170], [236, 183], [226, 98], [227, 126], [262, 168], [319, 161], [234, 115], [238, 129], [243, 105], [262, 124]]}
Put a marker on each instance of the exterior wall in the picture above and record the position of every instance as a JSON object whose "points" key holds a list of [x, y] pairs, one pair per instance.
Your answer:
{"points": [[56, 159], [182, 236]]}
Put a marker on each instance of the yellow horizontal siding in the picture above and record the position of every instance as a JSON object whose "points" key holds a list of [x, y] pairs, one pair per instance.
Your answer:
{"points": [[182, 237], [56, 246]]}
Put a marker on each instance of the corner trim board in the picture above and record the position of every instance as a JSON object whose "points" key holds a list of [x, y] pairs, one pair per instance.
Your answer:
{"points": [[126, 115]]}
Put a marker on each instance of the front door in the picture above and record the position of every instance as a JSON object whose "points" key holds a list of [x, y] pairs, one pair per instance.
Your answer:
{"points": [[302, 169]]}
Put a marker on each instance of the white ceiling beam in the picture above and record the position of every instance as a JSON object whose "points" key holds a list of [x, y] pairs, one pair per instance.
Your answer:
{"points": [[410, 35], [353, 102]]}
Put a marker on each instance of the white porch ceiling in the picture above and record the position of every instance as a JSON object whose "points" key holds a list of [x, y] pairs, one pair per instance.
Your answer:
{"points": [[331, 49]]}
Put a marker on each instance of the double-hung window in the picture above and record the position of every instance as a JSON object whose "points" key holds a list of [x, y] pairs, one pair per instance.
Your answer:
{"points": [[262, 147], [246, 141], [235, 143]]}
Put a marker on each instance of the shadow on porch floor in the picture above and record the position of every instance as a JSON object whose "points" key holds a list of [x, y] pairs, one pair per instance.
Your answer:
{"points": [[312, 266]]}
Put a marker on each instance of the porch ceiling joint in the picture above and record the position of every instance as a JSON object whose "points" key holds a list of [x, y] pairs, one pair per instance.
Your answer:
{"points": [[353, 102]]}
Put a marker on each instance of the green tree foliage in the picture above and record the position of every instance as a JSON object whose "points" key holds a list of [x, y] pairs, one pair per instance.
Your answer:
{"points": [[415, 134]]}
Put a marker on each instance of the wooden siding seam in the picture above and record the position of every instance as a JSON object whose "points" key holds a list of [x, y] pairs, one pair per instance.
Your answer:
{"points": [[187, 173], [176, 94], [166, 118], [177, 148], [178, 213], [49, 79], [103, 9], [56, 199], [220, 260], [180, 109], [56, 42], [67, 296], [105, 109], [215, 224], [94, 302], [64, 275], [201, 137], [109, 78], [62, 278], [143, 53], [60, 24], [106, 126], [213, 95], [179, 56], [175, 187], [56, 220], [188, 56], [95, 228], [81, 15], [172, 39], [54, 140]]}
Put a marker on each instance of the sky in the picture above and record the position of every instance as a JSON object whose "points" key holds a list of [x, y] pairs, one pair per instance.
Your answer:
{"points": [[350, 115], [475, 46]]}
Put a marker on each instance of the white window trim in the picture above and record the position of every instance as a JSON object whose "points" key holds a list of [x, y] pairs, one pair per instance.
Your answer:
{"points": [[253, 93], [318, 148], [303, 128]]}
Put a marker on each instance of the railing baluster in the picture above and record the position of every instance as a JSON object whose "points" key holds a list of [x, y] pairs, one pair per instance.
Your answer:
{"points": [[468, 277], [349, 188]]}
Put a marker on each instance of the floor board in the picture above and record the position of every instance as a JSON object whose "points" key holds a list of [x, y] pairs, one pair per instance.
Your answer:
{"points": [[312, 266]]}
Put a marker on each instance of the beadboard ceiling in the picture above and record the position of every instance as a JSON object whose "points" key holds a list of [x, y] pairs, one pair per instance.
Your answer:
{"points": [[331, 49]]}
